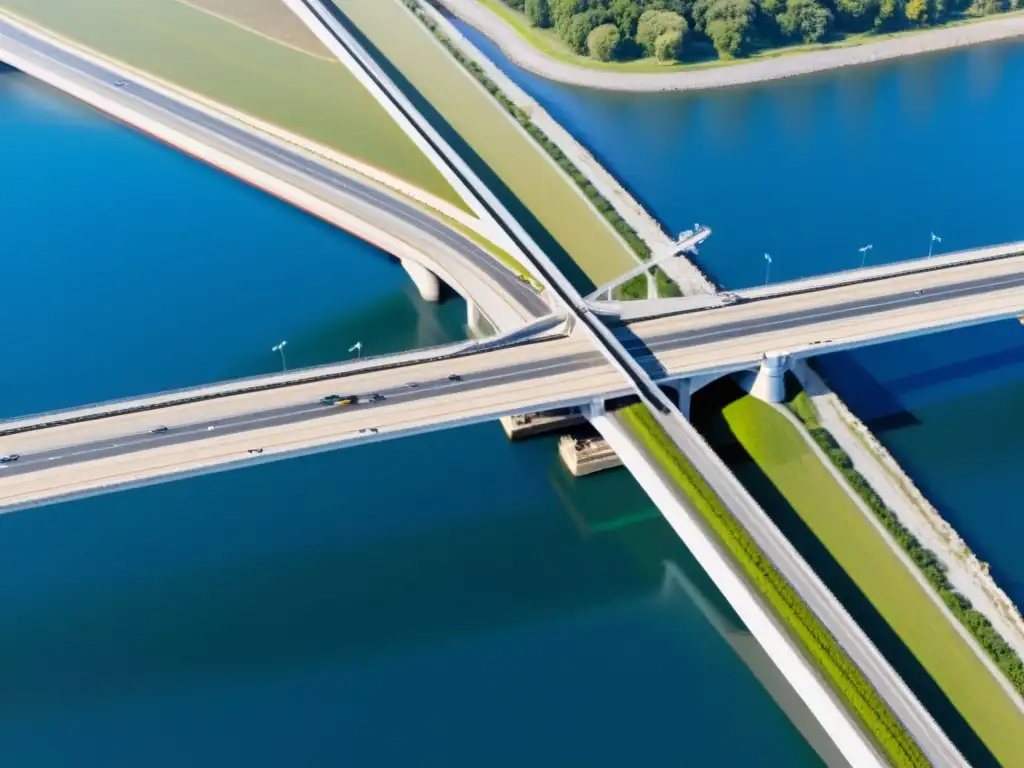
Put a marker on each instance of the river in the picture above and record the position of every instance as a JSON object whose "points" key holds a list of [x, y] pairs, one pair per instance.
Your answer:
{"points": [[449, 600], [811, 170]]}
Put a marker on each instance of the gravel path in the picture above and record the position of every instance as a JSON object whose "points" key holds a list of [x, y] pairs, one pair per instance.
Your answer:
{"points": [[525, 55]]}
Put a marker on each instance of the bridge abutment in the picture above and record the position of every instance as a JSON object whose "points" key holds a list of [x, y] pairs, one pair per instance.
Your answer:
{"points": [[426, 282]]}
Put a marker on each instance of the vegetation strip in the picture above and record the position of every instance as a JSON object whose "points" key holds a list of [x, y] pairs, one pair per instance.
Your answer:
{"points": [[685, 30], [828, 656], [934, 570], [635, 288]]}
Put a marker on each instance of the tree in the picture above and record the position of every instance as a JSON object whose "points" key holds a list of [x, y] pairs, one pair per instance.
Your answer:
{"points": [[916, 11], [726, 22], [806, 18], [580, 27], [653, 24], [538, 13], [889, 13], [669, 45], [561, 13], [603, 42], [625, 14]]}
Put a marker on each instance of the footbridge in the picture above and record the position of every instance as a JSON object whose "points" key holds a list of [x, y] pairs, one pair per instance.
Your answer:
{"points": [[547, 365]]}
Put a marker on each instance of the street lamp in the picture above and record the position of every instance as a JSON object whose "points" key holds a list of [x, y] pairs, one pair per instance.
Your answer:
{"points": [[767, 267], [864, 254], [280, 348], [357, 348], [931, 243]]}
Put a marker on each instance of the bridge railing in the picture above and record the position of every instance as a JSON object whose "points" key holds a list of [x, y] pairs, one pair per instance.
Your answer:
{"points": [[533, 333]]}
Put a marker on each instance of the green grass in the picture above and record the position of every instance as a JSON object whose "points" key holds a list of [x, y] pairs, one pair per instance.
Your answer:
{"points": [[304, 94], [547, 42], [782, 453], [835, 666], [578, 227]]}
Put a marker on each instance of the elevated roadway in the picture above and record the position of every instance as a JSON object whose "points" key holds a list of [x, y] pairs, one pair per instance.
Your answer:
{"points": [[362, 207], [102, 447]]}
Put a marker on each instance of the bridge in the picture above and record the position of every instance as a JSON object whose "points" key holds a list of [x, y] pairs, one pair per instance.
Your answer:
{"points": [[99, 448], [681, 345]]}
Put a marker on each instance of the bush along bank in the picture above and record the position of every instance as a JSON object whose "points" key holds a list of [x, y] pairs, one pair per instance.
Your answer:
{"points": [[934, 570], [635, 288], [824, 651]]}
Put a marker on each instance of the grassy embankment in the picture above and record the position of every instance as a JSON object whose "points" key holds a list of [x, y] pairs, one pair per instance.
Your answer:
{"points": [[548, 43], [274, 82], [785, 458], [803, 626], [597, 244]]}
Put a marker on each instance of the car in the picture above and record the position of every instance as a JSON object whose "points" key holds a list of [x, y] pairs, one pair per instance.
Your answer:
{"points": [[348, 400], [7, 459], [369, 431], [412, 384], [330, 399], [255, 450], [120, 83], [376, 397], [454, 377], [918, 292], [157, 430]]}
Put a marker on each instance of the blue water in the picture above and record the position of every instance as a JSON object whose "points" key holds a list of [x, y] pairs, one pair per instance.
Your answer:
{"points": [[812, 169], [448, 600]]}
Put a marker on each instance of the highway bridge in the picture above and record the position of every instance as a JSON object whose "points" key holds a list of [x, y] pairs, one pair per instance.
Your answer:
{"points": [[99, 448]]}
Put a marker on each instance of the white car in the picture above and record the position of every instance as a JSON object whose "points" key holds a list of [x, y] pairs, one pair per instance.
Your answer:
{"points": [[7, 459]]}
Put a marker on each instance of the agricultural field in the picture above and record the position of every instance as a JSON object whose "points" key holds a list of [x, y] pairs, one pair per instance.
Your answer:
{"points": [[271, 18], [233, 65]]}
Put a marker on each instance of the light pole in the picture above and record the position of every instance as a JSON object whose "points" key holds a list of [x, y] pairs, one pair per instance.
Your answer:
{"points": [[864, 254], [931, 243], [280, 348], [767, 268], [357, 348]]}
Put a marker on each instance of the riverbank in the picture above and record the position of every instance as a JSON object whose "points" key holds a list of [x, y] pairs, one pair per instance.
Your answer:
{"points": [[811, 489], [772, 65], [683, 272]]}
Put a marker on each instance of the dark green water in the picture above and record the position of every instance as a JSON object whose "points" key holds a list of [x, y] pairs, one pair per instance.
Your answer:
{"points": [[451, 600]]}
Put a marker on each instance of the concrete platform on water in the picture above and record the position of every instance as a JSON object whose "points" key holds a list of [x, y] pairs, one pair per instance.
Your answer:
{"points": [[586, 456]]}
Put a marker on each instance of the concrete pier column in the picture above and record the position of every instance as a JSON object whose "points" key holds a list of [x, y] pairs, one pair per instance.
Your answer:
{"points": [[684, 397], [426, 282], [769, 383], [473, 317]]}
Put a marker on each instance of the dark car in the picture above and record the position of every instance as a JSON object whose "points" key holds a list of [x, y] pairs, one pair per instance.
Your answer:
{"points": [[156, 430], [330, 399], [9, 458], [455, 377], [376, 397]]}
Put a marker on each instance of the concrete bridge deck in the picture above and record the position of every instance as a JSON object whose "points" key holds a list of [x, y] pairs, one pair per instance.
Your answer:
{"points": [[100, 448]]}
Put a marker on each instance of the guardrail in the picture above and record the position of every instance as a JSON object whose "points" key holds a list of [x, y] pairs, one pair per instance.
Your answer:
{"points": [[471, 348]]}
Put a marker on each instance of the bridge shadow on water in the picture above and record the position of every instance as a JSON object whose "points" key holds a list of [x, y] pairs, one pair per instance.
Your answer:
{"points": [[522, 214], [711, 423], [872, 401]]}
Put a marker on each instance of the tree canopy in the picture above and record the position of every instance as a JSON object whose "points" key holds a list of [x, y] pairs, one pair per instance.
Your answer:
{"points": [[672, 30]]}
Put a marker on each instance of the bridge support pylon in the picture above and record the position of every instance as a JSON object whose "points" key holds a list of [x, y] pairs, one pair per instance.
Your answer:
{"points": [[426, 282], [769, 383]]}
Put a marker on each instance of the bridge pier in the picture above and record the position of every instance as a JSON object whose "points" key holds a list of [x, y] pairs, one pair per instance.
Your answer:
{"points": [[769, 383], [426, 282], [687, 388]]}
